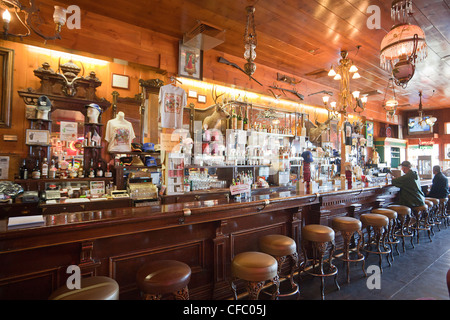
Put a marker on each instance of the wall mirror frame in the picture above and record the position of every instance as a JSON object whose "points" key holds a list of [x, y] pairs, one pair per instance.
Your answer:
{"points": [[6, 83]]}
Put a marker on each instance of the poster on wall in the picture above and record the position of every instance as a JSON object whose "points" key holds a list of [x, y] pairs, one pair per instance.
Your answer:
{"points": [[369, 133]]}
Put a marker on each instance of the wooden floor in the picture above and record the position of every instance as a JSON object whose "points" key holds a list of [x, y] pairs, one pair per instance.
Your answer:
{"points": [[419, 273]]}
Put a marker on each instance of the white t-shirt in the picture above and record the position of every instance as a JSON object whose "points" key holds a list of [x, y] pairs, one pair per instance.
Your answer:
{"points": [[172, 100], [119, 133]]}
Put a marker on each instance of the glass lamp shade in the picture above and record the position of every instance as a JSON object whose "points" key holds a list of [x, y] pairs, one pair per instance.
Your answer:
{"points": [[431, 121], [331, 73], [337, 76], [391, 103], [399, 44], [353, 68], [356, 75], [250, 52], [6, 16], [403, 71], [59, 15], [325, 99]]}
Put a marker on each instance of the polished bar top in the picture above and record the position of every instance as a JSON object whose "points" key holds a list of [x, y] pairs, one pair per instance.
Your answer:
{"points": [[179, 209]]}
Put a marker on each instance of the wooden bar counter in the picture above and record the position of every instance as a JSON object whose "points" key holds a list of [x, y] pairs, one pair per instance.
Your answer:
{"points": [[204, 234]]}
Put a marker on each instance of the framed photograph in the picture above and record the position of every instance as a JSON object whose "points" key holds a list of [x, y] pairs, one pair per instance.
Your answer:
{"points": [[120, 81], [192, 94], [190, 62], [201, 98], [37, 137]]}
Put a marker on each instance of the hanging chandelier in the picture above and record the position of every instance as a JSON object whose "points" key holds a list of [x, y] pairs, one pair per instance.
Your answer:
{"points": [[390, 105], [250, 42], [28, 18], [346, 98], [404, 45], [422, 120]]}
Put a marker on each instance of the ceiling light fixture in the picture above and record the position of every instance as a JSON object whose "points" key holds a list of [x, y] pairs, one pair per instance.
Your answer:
{"points": [[422, 120], [27, 16], [346, 98], [390, 105], [404, 45], [250, 42]]}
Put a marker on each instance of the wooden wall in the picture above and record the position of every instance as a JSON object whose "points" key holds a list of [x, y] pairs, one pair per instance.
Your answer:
{"points": [[145, 53]]}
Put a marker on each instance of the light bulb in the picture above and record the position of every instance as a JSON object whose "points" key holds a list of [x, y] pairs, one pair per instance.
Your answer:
{"points": [[6, 16]]}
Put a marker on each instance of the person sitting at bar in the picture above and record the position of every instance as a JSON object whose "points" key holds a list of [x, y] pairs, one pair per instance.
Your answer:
{"points": [[411, 193], [439, 187]]}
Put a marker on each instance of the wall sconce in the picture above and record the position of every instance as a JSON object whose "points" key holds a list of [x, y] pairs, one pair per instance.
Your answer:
{"points": [[26, 16]]}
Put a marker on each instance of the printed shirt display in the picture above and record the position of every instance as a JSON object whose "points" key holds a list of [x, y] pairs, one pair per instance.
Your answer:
{"points": [[172, 101], [119, 134]]}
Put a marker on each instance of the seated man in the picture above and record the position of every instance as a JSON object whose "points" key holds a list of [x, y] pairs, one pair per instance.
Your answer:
{"points": [[410, 194], [439, 188]]}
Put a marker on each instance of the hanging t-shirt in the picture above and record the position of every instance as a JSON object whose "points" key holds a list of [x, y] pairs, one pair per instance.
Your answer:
{"points": [[172, 100], [119, 133]]}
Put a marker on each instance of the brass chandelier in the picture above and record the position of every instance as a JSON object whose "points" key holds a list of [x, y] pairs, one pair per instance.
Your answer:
{"points": [[346, 98]]}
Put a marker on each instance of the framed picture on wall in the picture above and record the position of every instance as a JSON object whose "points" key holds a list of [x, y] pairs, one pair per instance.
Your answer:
{"points": [[37, 137], [190, 62]]}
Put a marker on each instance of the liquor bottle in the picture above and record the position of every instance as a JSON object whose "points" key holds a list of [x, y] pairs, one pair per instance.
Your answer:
{"points": [[246, 119], [81, 170], [91, 169], [99, 170], [52, 171], [239, 121], [23, 170], [44, 172], [234, 120], [36, 173]]}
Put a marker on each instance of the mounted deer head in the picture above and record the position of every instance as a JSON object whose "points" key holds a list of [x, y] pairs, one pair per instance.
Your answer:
{"points": [[220, 113]]}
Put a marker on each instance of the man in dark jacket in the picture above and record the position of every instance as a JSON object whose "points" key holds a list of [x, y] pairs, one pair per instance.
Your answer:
{"points": [[410, 194], [439, 188]]}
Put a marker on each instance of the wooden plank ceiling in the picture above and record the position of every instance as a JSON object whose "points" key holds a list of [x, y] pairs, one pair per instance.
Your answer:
{"points": [[305, 37]]}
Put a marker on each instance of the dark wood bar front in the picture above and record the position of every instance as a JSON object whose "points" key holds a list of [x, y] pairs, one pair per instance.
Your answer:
{"points": [[204, 234]]}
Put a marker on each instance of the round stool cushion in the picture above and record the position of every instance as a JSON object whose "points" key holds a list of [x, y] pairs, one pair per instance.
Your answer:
{"points": [[391, 214], [420, 208], [434, 200], [429, 203], [401, 210], [374, 219], [346, 224], [92, 288], [277, 245], [317, 233], [254, 266], [163, 276]]}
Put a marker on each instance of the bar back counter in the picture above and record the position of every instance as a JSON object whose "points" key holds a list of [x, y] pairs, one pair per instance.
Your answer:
{"points": [[206, 235]]}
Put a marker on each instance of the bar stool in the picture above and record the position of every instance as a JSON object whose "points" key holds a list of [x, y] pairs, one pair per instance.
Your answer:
{"points": [[348, 226], [281, 248], [255, 268], [442, 215], [432, 204], [420, 214], [379, 224], [404, 217], [433, 212], [391, 238], [320, 237], [161, 277], [92, 288]]}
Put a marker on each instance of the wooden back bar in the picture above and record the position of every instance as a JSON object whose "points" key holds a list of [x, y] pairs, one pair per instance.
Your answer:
{"points": [[204, 234]]}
